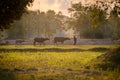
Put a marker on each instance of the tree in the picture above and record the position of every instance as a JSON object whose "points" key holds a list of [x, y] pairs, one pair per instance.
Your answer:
{"points": [[103, 17], [36, 24], [89, 21], [11, 10], [114, 23]]}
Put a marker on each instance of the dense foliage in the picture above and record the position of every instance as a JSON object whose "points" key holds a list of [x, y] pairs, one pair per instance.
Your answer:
{"points": [[99, 20], [11, 10]]}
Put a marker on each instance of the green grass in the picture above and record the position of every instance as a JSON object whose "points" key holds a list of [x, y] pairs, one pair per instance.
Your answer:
{"points": [[63, 62]]}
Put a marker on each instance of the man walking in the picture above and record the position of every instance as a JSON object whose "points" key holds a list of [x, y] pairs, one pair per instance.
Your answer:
{"points": [[75, 40]]}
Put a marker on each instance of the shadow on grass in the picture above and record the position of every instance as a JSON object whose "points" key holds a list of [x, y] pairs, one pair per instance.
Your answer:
{"points": [[99, 49], [7, 76], [108, 61], [42, 50]]}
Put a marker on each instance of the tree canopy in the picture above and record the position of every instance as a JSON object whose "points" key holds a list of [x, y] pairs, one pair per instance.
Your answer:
{"points": [[38, 24], [11, 10], [97, 20]]}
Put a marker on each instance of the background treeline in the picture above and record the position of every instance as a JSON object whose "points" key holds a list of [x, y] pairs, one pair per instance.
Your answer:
{"points": [[38, 24], [99, 20], [95, 21]]}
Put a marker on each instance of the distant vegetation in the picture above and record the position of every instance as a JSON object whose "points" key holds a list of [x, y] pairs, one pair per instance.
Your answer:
{"points": [[98, 20], [39, 24]]}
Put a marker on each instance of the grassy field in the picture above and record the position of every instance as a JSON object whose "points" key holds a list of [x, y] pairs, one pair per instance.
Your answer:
{"points": [[49, 62]]}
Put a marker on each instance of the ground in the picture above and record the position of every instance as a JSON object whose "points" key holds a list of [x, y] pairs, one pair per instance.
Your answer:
{"points": [[53, 62]]}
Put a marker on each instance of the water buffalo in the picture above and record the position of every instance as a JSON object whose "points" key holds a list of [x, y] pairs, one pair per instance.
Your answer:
{"points": [[60, 39], [19, 41], [40, 40]]}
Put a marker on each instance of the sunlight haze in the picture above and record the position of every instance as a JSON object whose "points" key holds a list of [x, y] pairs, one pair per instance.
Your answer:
{"points": [[57, 5]]}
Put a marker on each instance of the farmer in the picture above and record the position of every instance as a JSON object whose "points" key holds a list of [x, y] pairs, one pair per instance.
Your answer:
{"points": [[75, 40]]}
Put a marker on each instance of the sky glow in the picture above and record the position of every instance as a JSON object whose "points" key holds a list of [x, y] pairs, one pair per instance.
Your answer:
{"points": [[56, 5]]}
